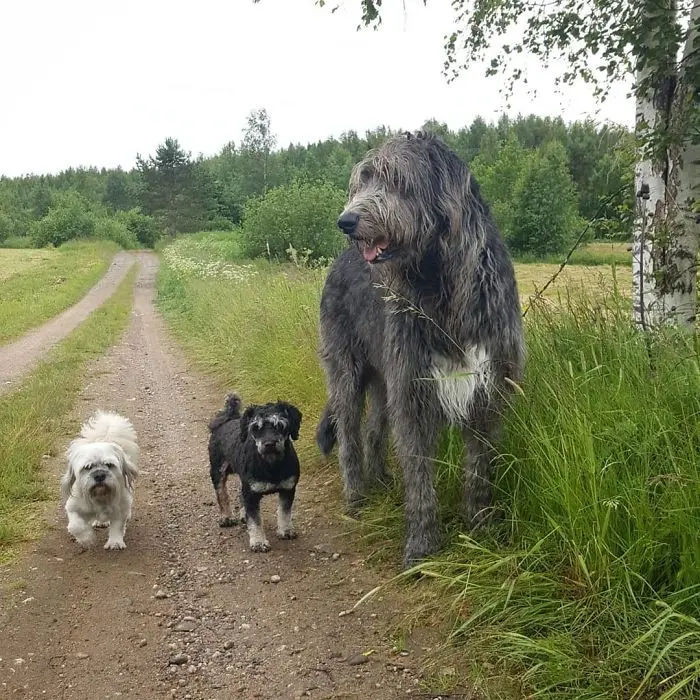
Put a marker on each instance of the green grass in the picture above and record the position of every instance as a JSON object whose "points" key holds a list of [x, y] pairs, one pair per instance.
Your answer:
{"points": [[590, 586], [595, 253], [36, 285], [33, 419]]}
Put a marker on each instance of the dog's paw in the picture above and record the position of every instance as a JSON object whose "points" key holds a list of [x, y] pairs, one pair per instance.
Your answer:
{"points": [[228, 522], [261, 546], [115, 544], [100, 523], [288, 534], [419, 549], [353, 508], [84, 538]]}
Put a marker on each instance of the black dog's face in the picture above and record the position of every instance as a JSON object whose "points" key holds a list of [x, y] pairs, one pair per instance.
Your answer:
{"points": [[270, 426]]}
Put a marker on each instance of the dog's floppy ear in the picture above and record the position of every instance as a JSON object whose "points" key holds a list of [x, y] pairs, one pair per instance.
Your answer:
{"points": [[129, 471], [294, 415], [67, 481], [245, 419]]}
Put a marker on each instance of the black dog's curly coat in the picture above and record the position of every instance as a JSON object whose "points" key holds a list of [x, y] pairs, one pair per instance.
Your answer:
{"points": [[258, 447]]}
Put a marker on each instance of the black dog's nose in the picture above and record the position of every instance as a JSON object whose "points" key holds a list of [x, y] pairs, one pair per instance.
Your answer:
{"points": [[347, 223], [99, 477], [269, 444]]}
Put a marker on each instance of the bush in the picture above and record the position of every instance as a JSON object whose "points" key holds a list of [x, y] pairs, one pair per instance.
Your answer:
{"points": [[546, 217], [68, 217], [145, 228], [111, 229], [302, 215]]}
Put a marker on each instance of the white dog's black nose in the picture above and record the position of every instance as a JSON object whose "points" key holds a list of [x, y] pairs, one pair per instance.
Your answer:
{"points": [[99, 477]]}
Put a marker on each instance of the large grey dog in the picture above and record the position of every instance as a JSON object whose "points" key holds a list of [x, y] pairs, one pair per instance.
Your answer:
{"points": [[421, 314]]}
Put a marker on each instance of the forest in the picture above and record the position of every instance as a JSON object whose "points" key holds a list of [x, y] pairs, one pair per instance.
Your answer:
{"points": [[543, 178]]}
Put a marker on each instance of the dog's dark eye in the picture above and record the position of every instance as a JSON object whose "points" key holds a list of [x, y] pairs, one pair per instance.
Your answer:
{"points": [[88, 467]]}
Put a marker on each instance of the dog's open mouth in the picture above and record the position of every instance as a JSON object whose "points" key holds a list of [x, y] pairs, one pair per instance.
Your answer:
{"points": [[375, 251]]}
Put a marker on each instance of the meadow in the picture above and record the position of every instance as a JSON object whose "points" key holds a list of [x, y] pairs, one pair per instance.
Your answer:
{"points": [[589, 586], [36, 285]]}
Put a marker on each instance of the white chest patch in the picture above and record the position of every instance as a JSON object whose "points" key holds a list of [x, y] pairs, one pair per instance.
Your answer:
{"points": [[269, 487], [457, 381]]}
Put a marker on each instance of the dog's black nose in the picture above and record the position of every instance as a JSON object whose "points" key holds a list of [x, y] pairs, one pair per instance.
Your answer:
{"points": [[347, 223], [269, 445], [99, 477]]}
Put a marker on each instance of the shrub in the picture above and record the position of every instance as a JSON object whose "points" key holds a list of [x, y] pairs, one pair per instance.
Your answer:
{"points": [[111, 229], [68, 217], [301, 215], [145, 228]]}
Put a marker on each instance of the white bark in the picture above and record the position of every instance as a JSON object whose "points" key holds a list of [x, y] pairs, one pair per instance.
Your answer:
{"points": [[684, 186], [666, 233]]}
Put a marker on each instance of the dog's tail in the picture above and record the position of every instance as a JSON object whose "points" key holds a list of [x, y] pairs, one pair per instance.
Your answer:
{"points": [[326, 434], [231, 411]]}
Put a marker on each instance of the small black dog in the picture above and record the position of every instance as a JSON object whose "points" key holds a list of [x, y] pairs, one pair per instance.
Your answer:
{"points": [[258, 447]]}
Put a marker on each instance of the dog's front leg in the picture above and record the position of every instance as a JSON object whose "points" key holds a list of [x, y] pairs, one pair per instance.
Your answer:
{"points": [[256, 534], [285, 529], [115, 540], [416, 422], [480, 435], [80, 528]]}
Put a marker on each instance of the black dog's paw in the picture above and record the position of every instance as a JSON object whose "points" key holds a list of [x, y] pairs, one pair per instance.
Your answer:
{"points": [[289, 534], [228, 522], [260, 546]]}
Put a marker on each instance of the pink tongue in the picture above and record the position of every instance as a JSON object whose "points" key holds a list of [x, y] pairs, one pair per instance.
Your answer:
{"points": [[370, 254]]}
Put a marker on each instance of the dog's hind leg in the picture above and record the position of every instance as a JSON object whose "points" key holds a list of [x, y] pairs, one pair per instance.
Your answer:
{"points": [[347, 401], [376, 435], [285, 529], [256, 534], [220, 477]]}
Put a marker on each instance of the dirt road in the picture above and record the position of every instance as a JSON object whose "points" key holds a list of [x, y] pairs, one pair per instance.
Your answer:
{"points": [[186, 611], [20, 357]]}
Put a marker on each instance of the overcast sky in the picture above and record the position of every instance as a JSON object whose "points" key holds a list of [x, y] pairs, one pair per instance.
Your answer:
{"points": [[89, 82]]}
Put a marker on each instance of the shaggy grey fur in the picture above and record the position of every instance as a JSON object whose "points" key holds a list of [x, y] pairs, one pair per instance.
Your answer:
{"points": [[422, 315]]}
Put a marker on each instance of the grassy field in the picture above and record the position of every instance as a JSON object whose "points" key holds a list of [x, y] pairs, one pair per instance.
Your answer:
{"points": [[590, 587], [33, 419], [35, 285]]}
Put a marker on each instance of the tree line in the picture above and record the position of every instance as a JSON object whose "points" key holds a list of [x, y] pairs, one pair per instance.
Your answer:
{"points": [[541, 176]]}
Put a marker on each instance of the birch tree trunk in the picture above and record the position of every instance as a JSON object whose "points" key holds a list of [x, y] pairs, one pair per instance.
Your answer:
{"points": [[666, 230]]}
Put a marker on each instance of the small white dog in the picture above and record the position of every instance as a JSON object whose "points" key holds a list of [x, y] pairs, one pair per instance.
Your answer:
{"points": [[99, 482]]}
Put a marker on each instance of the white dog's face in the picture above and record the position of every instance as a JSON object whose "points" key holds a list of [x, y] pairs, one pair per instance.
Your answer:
{"points": [[98, 470]]}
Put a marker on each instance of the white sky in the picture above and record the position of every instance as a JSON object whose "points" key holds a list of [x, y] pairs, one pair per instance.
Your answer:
{"points": [[90, 82]]}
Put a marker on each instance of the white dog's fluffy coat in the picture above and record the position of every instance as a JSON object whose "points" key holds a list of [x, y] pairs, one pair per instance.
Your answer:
{"points": [[99, 481]]}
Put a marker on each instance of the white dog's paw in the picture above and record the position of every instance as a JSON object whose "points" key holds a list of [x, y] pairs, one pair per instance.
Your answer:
{"points": [[85, 537], [260, 546], [288, 533], [115, 544]]}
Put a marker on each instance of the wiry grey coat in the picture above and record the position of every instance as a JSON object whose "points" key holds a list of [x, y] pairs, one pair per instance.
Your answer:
{"points": [[421, 314]]}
